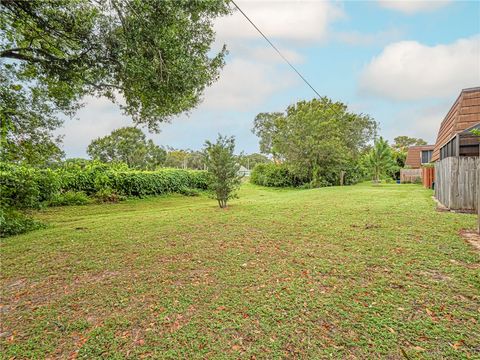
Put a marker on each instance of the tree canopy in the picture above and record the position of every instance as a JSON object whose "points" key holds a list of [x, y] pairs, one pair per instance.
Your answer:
{"points": [[155, 54], [130, 146], [402, 143], [315, 138]]}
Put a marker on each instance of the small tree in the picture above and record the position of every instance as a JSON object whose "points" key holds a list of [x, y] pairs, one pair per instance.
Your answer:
{"points": [[222, 168], [380, 161]]}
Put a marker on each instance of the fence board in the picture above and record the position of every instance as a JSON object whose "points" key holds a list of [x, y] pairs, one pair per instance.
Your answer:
{"points": [[456, 181], [410, 175]]}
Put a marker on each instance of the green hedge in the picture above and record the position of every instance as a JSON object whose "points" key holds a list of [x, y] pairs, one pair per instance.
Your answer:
{"points": [[279, 175], [274, 175], [24, 188]]}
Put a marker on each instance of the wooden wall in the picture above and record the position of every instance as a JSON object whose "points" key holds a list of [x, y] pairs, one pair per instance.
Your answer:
{"points": [[414, 155], [410, 175], [456, 182], [464, 113]]}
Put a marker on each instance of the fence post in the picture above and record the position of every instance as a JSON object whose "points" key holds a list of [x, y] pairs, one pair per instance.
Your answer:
{"points": [[478, 194]]}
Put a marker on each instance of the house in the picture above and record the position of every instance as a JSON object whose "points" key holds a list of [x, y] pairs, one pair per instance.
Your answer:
{"points": [[243, 171], [457, 154], [454, 137], [419, 155]]}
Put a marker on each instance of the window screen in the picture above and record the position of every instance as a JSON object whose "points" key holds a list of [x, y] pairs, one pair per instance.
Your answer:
{"points": [[426, 156]]}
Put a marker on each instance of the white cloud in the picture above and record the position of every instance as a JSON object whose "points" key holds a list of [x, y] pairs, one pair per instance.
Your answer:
{"points": [[97, 118], [408, 70], [413, 6], [285, 20], [245, 84], [363, 39], [420, 121]]}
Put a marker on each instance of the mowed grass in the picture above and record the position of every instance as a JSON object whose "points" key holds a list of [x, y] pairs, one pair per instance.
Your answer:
{"points": [[353, 272]]}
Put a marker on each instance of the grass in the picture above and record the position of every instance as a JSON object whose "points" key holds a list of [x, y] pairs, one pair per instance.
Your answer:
{"points": [[352, 272]]}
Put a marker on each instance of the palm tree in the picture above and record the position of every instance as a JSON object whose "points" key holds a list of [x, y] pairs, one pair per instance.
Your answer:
{"points": [[380, 160]]}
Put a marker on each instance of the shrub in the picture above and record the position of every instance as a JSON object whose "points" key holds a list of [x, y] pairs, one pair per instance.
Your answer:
{"points": [[13, 222], [107, 195], [24, 187], [69, 197], [189, 192], [275, 175]]}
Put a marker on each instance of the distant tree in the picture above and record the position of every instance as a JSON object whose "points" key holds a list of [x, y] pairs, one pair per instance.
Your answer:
{"points": [[130, 146], [176, 158], [316, 139], [402, 143], [250, 160], [380, 161], [222, 168], [266, 126], [196, 160]]}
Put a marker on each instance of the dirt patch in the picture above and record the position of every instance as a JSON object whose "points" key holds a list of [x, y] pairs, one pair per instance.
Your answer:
{"points": [[472, 237]]}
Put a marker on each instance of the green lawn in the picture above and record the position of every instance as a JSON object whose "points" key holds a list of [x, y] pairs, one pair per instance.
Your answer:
{"points": [[352, 272]]}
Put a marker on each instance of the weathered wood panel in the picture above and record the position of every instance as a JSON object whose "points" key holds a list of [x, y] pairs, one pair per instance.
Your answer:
{"points": [[410, 175], [456, 182]]}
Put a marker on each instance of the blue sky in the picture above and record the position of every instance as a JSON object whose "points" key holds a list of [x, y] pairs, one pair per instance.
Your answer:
{"points": [[402, 62]]}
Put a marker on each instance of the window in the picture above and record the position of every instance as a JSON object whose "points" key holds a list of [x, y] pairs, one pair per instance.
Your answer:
{"points": [[426, 156]]}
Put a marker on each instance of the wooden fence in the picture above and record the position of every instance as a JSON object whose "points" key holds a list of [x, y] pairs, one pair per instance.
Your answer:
{"points": [[428, 176], [456, 183], [410, 175]]}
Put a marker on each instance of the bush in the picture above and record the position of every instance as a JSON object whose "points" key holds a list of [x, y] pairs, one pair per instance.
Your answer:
{"points": [[107, 195], [13, 222], [69, 197], [23, 187], [275, 175]]}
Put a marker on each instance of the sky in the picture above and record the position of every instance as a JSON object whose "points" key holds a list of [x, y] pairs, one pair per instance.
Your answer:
{"points": [[402, 62]]}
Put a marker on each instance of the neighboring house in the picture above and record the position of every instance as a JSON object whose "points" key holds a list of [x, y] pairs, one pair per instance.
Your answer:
{"points": [[243, 171], [456, 154], [454, 137], [419, 155]]}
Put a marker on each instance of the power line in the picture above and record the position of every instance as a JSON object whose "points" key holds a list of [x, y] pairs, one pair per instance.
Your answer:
{"points": [[275, 48]]}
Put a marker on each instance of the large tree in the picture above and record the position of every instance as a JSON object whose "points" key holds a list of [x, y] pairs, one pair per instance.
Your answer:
{"points": [[317, 138], [153, 55], [127, 145]]}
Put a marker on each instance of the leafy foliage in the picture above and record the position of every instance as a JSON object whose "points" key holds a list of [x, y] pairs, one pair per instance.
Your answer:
{"points": [[130, 146], [222, 168], [275, 175], [402, 143], [251, 160], [27, 121], [69, 197], [76, 183], [316, 139], [380, 161], [14, 222], [155, 54]]}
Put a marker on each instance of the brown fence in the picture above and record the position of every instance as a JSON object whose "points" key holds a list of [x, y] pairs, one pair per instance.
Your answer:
{"points": [[410, 175], [428, 176], [456, 183]]}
